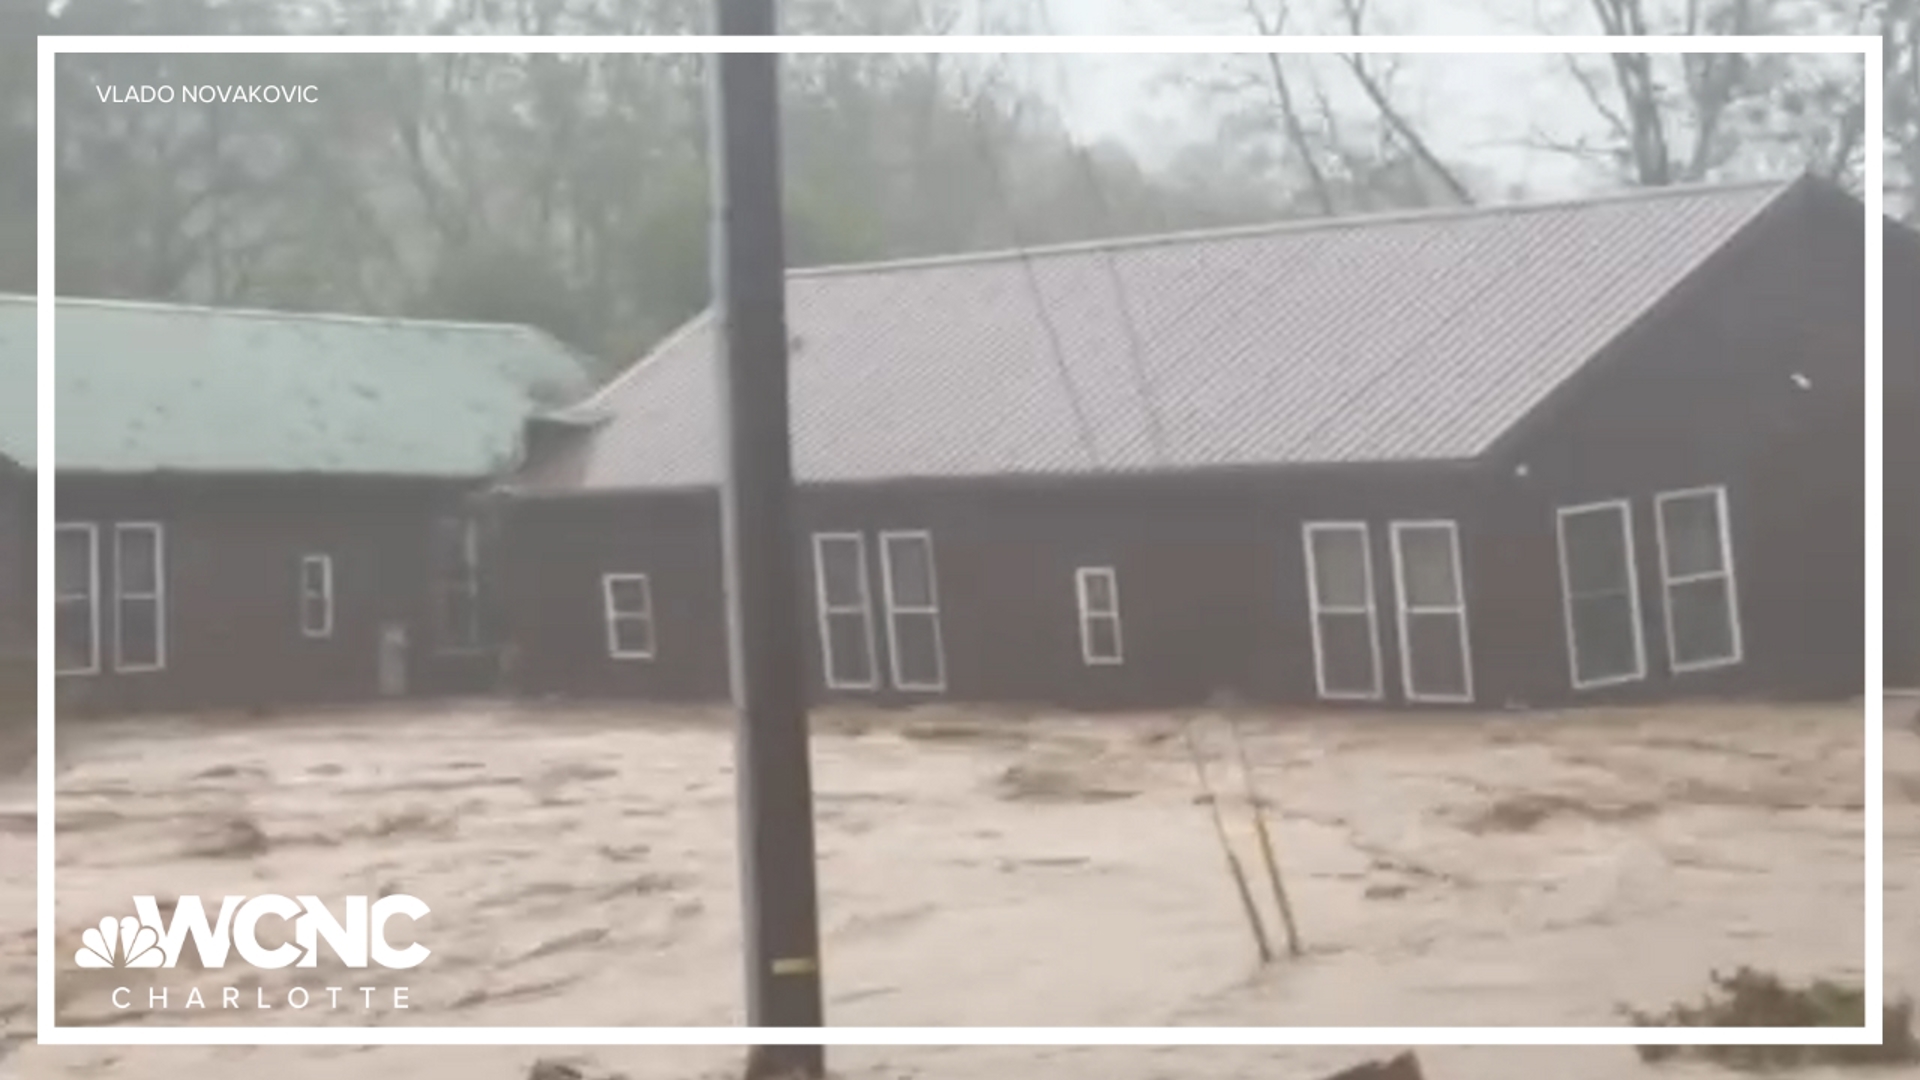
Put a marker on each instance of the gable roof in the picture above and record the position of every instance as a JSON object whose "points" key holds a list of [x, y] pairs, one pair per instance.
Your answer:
{"points": [[1413, 337], [155, 387]]}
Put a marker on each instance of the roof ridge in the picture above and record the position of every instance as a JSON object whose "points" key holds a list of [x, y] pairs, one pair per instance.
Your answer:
{"points": [[171, 308], [1294, 225]]}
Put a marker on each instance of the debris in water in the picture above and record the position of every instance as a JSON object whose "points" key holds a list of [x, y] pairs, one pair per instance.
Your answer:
{"points": [[235, 837], [1526, 812], [547, 1069], [556, 1069], [1023, 782], [1401, 1067], [1752, 998]]}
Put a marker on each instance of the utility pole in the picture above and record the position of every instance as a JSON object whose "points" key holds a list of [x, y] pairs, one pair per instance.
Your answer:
{"points": [[780, 904]]}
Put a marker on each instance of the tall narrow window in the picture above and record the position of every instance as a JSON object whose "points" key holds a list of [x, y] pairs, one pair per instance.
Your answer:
{"points": [[1346, 634], [1598, 581], [627, 603], [76, 599], [139, 598], [845, 610], [913, 612], [1436, 661], [316, 596], [1099, 598], [1697, 580], [458, 566]]}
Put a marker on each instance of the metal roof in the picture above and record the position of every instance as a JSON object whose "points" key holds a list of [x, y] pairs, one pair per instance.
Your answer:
{"points": [[1405, 338], [154, 387]]}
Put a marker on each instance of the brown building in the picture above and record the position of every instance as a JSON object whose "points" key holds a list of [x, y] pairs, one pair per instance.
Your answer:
{"points": [[1583, 451], [16, 584], [257, 508], [17, 406], [1901, 614]]}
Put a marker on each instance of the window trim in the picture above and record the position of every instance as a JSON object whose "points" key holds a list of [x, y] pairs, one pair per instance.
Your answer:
{"points": [[613, 617], [1404, 611], [158, 597], [1316, 609], [468, 583], [1082, 596], [325, 596], [92, 532], [1624, 508], [895, 610], [825, 610], [1727, 571]]}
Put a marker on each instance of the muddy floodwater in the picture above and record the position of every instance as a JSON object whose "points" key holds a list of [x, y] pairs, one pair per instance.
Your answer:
{"points": [[975, 869]]}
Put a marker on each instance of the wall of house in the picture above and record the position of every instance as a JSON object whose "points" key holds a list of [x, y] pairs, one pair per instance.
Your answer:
{"points": [[1703, 392], [1902, 433], [232, 558], [1211, 580], [16, 589], [1750, 375], [16, 562]]}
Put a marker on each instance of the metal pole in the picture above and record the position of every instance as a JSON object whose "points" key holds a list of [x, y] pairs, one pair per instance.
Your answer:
{"points": [[780, 906]]}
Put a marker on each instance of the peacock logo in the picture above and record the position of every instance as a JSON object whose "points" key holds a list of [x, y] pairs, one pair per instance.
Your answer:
{"points": [[358, 935], [120, 943]]}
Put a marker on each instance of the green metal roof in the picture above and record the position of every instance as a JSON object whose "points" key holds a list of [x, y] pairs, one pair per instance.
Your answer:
{"points": [[17, 386], [152, 387]]}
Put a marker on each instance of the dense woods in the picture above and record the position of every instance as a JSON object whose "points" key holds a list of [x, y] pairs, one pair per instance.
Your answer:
{"points": [[571, 191]]}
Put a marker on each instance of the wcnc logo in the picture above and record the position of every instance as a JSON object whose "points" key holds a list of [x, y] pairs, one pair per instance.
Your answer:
{"points": [[147, 940]]}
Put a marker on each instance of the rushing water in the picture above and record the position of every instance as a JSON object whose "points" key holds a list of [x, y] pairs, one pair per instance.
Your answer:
{"points": [[977, 870]]}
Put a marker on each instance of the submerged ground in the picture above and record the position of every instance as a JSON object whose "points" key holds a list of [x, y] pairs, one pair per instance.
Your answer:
{"points": [[979, 870]]}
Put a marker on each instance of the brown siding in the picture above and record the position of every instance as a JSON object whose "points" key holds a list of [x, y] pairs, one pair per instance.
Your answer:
{"points": [[16, 595], [1902, 418], [1210, 573], [1702, 393], [1211, 580], [16, 563], [232, 556]]}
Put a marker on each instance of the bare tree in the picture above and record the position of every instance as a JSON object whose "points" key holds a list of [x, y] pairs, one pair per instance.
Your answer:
{"points": [[1375, 84], [1901, 34], [1694, 117]]}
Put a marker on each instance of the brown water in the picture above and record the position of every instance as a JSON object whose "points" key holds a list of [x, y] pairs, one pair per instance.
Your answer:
{"points": [[976, 870]]}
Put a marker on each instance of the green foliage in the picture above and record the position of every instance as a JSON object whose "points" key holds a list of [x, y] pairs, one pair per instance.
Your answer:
{"points": [[566, 191], [1752, 998]]}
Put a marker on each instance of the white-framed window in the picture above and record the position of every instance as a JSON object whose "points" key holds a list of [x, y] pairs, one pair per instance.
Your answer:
{"points": [[139, 597], [845, 608], [1697, 579], [1097, 590], [626, 602], [76, 599], [908, 580], [1436, 656], [316, 596], [457, 563], [1346, 631], [1599, 582]]}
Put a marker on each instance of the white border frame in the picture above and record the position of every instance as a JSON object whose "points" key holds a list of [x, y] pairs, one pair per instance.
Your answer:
{"points": [[158, 597], [1403, 611], [1718, 493], [1872, 973], [1624, 507], [325, 563], [1316, 608], [612, 617], [826, 612], [895, 609], [1081, 576], [92, 533]]}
